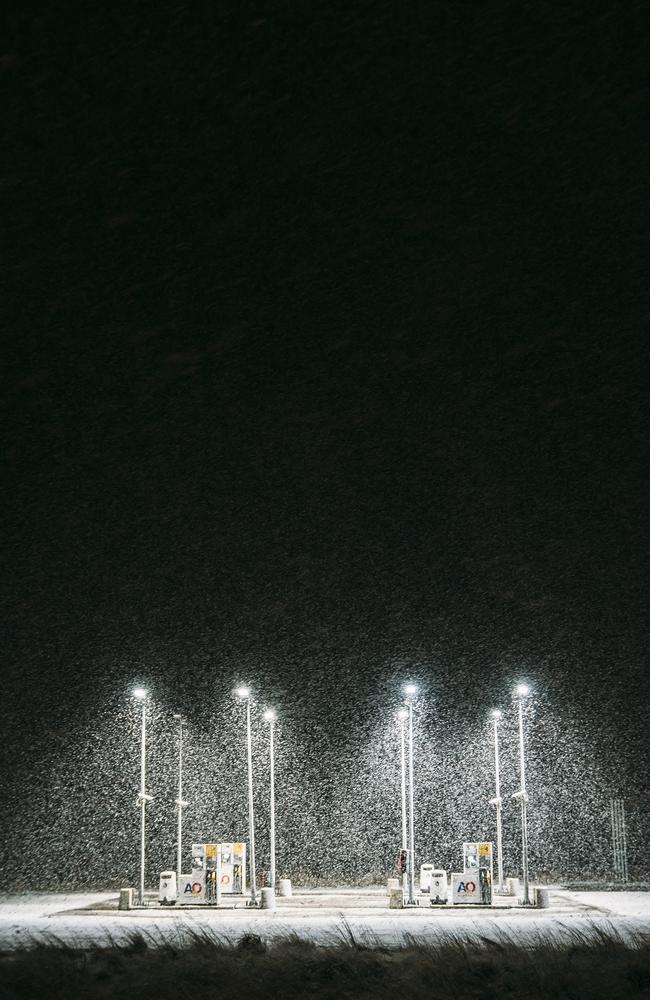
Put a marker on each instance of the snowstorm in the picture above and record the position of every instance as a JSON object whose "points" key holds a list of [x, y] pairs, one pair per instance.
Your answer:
{"points": [[337, 771]]}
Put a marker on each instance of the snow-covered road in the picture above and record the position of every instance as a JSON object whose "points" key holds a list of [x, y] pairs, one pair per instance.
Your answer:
{"points": [[92, 918]]}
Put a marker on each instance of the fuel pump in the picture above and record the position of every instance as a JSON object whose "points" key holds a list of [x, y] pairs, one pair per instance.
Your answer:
{"points": [[217, 869], [474, 884]]}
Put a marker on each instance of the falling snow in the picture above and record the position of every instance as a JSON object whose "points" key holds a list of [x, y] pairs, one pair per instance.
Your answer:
{"points": [[74, 823], [325, 374]]}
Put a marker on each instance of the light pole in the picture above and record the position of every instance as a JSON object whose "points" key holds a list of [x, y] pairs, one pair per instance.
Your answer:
{"points": [[270, 717], [522, 692], [410, 691], [180, 802], [497, 800], [141, 695], [245, 694], [403, 715]]}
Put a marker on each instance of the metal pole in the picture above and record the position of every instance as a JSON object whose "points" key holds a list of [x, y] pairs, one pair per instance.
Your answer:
{"points": [[623, 839], [524, 799], [403, 772], [251, 817], [143, 799], [497, 802], [411, 811], [272, 819], [404, 826], [611, 817], [179, 802]]}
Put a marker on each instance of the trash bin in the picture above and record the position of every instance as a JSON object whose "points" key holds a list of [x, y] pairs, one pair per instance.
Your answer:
{"points": [[167, 889], [284, 887]]}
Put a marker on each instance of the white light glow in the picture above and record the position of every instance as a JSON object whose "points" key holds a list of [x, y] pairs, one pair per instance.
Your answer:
{"points": [[410, 690], [140, 693], [270, 715], [242, 692], [496, 713], [402, 714], [522, 690]]}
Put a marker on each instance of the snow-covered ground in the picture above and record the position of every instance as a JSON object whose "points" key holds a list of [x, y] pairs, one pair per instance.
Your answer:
{"points": [[92, 918]]}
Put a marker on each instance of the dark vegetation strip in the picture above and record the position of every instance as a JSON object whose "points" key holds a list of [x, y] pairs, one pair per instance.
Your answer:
{"points": [[594, 965]]}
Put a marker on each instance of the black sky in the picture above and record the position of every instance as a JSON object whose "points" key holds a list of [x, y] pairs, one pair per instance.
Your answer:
{"points": [[326, 332]]}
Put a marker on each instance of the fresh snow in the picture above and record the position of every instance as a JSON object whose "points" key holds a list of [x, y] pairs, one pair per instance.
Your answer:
{"points": [[78, 918]]}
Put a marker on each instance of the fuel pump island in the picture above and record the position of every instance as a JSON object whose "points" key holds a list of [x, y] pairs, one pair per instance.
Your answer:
{"points": [[471, 887], [218, 877], [217, 870]]}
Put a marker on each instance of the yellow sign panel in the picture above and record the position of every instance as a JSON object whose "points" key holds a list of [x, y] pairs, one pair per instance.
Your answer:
{"points": [[483, 850], [210, 850], [238, 848]]}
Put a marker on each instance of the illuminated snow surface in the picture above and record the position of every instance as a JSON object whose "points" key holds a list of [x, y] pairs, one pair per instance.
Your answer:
{"points": [[92, 918]]}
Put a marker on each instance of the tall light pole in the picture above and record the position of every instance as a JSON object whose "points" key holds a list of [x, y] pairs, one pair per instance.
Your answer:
{"points": [[497, 800], [410, 691], [270, 717], [403, 715], [180, 802], [522, 692], [245, 694], [141, 695]]}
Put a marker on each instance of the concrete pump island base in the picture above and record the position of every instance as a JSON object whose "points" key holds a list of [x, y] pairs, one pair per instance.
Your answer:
{"points": [[307, 901]]}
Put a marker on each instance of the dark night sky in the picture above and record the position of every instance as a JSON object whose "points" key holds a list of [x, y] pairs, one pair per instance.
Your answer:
{"points": [[326, 330]]}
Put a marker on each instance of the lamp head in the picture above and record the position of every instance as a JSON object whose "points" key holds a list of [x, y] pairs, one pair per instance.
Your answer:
{"points": [[496, 713], [140, 693], [522, 690], [270, 715], [410, 690], [402, 714], [243, 692]]}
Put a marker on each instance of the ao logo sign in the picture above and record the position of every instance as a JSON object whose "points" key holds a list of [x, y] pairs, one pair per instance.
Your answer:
{"points": [[466, 887], [196, 888]]}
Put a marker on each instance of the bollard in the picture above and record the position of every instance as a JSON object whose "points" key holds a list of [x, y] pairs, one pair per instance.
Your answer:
{"points": [[126, 899], [392, 883], [396, 900], [284, 887], [267, 900], [542, 898]]}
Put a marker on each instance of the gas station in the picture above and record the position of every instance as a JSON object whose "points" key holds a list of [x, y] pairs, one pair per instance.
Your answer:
{"points": [[218, 874]]}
